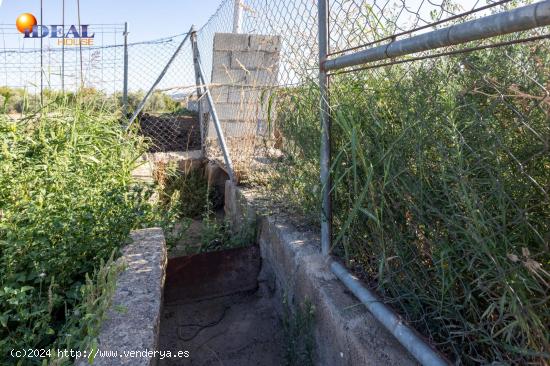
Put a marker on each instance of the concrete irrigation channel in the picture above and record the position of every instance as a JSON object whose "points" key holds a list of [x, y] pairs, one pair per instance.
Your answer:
{"points": [[275, 302]]}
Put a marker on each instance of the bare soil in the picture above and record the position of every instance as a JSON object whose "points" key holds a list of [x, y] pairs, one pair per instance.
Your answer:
{"points": [[240, 329], [213, 309]]}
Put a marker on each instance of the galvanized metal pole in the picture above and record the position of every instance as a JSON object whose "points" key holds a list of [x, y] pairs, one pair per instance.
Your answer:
{"points": [[125, 85], [80, 46], [237, 16], [63, 50], [150, 91], [516, 20], [326, 210], [198, 82], [217, 125], [408, 338], [41, 54]]}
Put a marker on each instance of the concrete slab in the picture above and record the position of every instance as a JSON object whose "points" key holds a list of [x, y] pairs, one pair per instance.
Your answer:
{"points": [[132, 321]]}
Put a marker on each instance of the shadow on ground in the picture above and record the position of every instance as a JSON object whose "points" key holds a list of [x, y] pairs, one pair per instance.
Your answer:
{"points": [[213, 309]]}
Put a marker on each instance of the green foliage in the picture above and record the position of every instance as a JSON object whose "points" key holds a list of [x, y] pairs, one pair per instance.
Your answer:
{"points": [[218, 235], [441, 175], [67, 200], [189, 195], [296, 184], [186, 191], [298, 333], [84, 321], [158, 102], [16, 100]]}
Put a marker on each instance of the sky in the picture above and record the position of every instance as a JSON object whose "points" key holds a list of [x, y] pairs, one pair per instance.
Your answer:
{"points": [[147, 20], [100, 67]]}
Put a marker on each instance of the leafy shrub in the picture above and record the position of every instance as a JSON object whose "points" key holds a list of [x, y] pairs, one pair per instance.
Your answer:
{"points": [[84, 321], [67, 200], [15, 100]]}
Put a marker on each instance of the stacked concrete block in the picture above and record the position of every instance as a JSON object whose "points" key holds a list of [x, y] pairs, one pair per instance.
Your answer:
{"points": [[244, 69]]}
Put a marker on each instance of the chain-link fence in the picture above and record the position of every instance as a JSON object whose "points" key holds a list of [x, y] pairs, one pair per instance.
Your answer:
{"points": [[435, 172], [438, 154], [29, 71], [111, 74], [439, 162], [246, 76], [170, 115]]}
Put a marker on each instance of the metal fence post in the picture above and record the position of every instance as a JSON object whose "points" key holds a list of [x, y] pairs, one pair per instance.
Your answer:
{"points": [[63, 52], [41, 54], [237, 16], [326, 211], [198, 82], [216, 120], [125, 86]]}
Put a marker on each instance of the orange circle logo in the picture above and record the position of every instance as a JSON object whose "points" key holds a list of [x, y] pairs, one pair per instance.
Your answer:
{"points": [[25, 22]]}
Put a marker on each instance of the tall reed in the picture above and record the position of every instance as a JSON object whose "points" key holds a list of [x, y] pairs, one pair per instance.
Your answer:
{"points": [[441, 174]]}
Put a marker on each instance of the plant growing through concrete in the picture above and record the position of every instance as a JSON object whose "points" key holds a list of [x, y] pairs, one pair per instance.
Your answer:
{"points": [[218, 235], [298, 333], [189, 194], [186, 191]]}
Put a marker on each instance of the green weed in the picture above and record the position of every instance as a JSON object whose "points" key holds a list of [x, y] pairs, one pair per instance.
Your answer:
{"points": [[67, 200], [441, 176], [298, 334]]}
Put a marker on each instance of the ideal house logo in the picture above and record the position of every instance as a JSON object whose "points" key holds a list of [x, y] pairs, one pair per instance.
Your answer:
{"points": [[26, 23]]}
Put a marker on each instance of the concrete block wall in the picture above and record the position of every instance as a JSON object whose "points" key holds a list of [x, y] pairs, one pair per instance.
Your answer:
{"points": [[244, 68]]}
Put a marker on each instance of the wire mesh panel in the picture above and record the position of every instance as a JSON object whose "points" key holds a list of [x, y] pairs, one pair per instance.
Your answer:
{"points": [[169, 117], [95, 74], [356, 24], [276, 51], [444, 163], [440, 164], [95, 70]]}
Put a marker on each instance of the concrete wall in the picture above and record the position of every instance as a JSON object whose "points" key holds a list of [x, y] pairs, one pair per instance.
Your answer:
{"points": [[133, 319], [292, 266], [244, 68]]}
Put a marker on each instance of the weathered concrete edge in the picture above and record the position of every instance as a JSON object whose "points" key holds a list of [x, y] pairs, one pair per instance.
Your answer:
{"points": [[133, 318], [345, 332]]}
